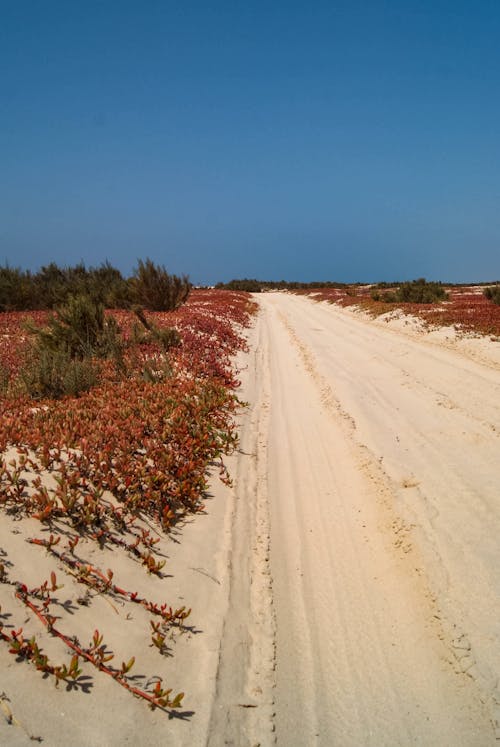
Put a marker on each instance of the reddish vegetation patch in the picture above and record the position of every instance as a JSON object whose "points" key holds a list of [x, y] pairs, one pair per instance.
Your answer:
{"points": [[13, 336], [466, 308], [208, 324], [133, 449], [149, 444]]}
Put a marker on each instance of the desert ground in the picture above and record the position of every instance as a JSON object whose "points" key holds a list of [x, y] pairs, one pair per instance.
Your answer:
{"points": [[345, 588]]}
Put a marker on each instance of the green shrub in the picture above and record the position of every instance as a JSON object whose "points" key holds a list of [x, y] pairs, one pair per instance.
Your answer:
{"points": [[420, 291], [245, 284], [52, 285], [387, 296], [493, 293], [61, 359], [80, 329], [153, 288], [53, 374], [15, 289], [416, 291], [167, 337]]}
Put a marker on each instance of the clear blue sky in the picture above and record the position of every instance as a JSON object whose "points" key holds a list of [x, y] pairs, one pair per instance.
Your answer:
{"points": [[300, 140]]}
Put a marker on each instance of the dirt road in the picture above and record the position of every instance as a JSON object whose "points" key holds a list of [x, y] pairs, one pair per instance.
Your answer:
{"points": [[365, 561]]}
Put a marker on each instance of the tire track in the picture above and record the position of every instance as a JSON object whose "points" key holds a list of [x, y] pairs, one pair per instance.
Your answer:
{"points": [[358, 629]]}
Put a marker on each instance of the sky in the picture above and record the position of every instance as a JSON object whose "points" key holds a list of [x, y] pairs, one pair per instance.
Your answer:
{"points": [[350, 141]]}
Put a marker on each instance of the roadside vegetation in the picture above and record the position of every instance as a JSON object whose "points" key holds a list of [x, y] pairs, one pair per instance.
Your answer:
{"points": [[415, 291], [467, 308], [111, 422], [470, 308], [150, 286], [259, 286]]}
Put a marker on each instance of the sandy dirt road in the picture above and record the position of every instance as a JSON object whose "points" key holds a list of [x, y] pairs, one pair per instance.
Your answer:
{"points": [[365, 565]]}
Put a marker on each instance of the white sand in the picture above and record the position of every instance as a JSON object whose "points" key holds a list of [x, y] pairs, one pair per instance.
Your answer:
{"points": [[346, 588], [383, 485]]}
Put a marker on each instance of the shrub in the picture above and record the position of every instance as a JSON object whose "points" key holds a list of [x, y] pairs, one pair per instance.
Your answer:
{"points": [[15, 289], [53, 373], [150, 286], [493, 293], [245, 284], [167, 337], [387, 296], [80, 329], [153, 288], [52, 285], [60, 360], [416, 291], [420, 291]]}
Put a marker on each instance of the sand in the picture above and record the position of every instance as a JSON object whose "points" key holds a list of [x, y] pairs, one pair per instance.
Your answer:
{"points": [[345, 588]]}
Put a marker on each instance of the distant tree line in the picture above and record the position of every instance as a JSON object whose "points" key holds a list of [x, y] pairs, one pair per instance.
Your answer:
{"points": [[416, 291], [257, 286], [150, 286]]}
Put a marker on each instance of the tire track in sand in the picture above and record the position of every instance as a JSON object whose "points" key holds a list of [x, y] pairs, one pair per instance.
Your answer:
{"points": [[360, 658]]}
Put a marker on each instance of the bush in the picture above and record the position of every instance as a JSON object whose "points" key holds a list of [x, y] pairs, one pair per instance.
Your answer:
{"points": [[416, 291], [51, 286], [15, 289], [53, 374], [61, 359], [245, 284], [150, 286], [153, 288], [420, 291], [493, 293], [81, 330], [387, 296]]}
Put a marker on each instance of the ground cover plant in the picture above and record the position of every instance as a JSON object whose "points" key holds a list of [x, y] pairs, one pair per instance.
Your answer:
{"points": [[115, 466], [467, 308]]}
